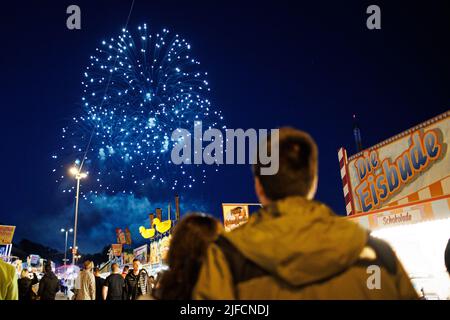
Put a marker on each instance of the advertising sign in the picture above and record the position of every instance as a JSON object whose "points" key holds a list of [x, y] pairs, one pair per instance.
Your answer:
{"points": [[154, 253], [120, 236], [412, 166], [117, 249], [141, 254], [34, 260], [164, 244], [234, 215], [128, 258], [6, 234], [127, 236], [151, 217]]}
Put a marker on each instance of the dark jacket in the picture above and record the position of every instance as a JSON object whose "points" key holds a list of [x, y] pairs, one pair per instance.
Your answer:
{"points": [[99, 281], [136, 285], [299, 249], [25, 288], [48, 286]]}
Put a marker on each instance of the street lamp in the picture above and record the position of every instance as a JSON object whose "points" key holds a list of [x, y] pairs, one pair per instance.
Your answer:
{"points": [[74, 254], [77, 256], [78, 176], [65, 246]]}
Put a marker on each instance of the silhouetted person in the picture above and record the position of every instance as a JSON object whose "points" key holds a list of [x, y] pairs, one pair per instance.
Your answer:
{"points": [[114, 285], [8, 282], [136, 282], [49, 284], [447, 256], [26, 284], [190, 240], [125, 271], [87, 283], [98, 284]]}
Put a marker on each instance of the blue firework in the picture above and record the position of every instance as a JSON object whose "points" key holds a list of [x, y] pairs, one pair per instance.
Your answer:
{"points": [[137, 89]]}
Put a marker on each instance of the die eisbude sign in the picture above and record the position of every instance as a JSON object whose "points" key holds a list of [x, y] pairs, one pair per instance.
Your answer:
{"points": [[412, 166]]}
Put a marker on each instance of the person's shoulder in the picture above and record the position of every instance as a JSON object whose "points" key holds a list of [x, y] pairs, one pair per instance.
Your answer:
{"points": [[144, 271], [8, 269]]}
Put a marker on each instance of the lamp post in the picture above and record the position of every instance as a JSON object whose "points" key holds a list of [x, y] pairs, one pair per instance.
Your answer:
{"points": [[75, 255], [65, 246], [78, 176]]}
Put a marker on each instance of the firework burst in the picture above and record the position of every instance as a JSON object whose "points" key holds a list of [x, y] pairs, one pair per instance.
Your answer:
{"points": [[137, 89]]}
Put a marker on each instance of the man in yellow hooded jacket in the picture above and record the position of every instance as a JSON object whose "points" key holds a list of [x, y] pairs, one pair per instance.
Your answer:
{"points": [[296, 247], [8, 282]]}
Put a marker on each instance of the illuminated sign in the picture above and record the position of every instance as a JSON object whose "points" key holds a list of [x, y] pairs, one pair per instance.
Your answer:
{"points": [[6, 234], [412, 166], [381, 178]]}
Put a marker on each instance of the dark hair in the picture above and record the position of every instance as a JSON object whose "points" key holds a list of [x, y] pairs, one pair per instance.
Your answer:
{"points": [[126, 267], [114, 266], [190, 241], [136, 259], [48, 268], [298, 166], [447, 256], [96, 270]]}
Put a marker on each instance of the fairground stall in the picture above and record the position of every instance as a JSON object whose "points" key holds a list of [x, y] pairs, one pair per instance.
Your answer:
{"points": [[69, 273], [400, 189], [153, 254]]}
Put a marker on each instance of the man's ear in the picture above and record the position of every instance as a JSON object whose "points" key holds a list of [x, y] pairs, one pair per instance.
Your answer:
{"points": [[260, 192], [313, 190]]}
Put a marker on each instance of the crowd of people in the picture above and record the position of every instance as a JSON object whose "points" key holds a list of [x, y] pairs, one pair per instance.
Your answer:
{"points": [[128, 284], [294, 247]]}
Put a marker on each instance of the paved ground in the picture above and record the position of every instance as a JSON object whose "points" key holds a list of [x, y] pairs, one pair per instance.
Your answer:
{"points": [[61, 296]]}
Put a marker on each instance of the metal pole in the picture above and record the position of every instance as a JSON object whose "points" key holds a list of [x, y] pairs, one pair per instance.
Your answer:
{"points": [[65, 248], [74, 247]]}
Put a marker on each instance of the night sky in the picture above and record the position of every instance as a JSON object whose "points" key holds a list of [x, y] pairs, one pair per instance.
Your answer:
{"points": [[270, 64]]}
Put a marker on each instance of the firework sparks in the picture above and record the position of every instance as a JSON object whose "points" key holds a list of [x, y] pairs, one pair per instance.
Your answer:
{"points": [[137, 89]]}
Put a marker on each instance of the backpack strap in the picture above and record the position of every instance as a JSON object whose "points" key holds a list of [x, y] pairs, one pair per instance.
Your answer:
{"points": [[242, 269], [385, 256]]}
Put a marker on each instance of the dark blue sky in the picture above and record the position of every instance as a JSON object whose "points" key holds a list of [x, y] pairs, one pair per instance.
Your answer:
{"points": [[270, 64]]}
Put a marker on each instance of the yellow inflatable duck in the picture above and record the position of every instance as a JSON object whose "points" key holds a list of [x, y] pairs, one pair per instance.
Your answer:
{"points": [[147, 233], [162, 227]]}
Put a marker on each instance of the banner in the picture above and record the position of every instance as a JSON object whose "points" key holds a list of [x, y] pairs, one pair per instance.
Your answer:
{"points": [[412, 166], [120, 236], [34, 260], [128, 258], [234, 215], [164, 244], [127, 236], [159, 213], [141, 254], [117, 249], [151, 217], [427, 210], [6, 234], [155, 258]]}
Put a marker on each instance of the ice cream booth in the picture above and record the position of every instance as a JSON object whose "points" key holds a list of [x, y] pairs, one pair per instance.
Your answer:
{"points": [[400, 190]]}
